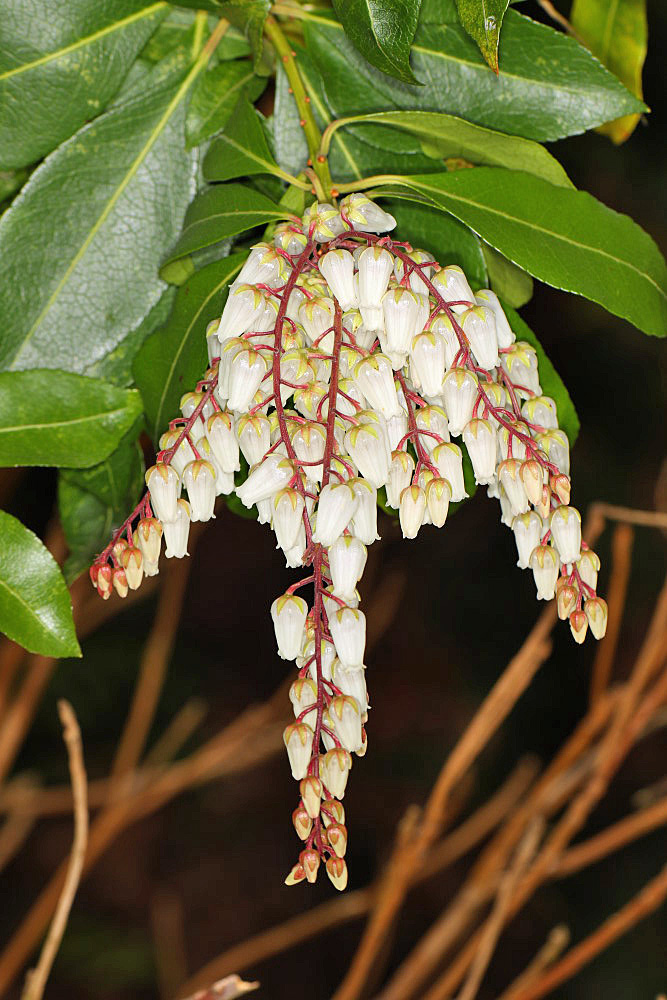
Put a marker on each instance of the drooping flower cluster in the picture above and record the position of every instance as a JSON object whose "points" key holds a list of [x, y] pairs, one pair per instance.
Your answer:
{"points": [[345, 363]]}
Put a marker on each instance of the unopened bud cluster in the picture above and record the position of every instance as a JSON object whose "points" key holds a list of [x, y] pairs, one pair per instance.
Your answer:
{"points": [[344, 363]]}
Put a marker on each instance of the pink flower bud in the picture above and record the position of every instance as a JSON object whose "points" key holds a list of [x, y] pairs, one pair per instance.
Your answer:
{"points": [[310, 862], [120, 582], [567, 599], [337, 872], [337, 837], [332, 811], [132, 562], [597, 614], [296, 875], [578, 625], [303, 823], [311, 793]]}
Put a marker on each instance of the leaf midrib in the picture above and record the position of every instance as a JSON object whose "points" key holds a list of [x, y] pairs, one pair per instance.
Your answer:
{"points": [[81, 42], [225, 98], [37, 621], [100, 415]]}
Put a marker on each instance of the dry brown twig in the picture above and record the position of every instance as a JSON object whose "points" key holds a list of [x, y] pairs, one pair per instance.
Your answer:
{"points": [[621, 554], [228, 988], [36, 979]]}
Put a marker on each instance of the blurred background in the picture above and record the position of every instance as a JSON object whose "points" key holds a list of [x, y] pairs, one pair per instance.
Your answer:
{"points": [[447, 611]]}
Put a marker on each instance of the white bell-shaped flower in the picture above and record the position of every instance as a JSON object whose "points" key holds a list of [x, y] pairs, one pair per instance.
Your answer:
{"points": [[228, 352], [309, 441], [176, 532], [288, 506], [212, 341], [246, 371], [459, 392], [221, 436], [294, 556], [597, 614], [345, 716], [479, 436], [348, 631], [290, 239], [427, 359], [317, 317], [479, 326], [327, 658], [289, 618], [416, 281], [542, 412], [335, 507], [448, 459], [556, 447], [397, 428], [322, 222], [364, 524], [364, 215], [520, 363], [147, 538], [375, 266], [565, 527], [588, 567], [405, 314], [347, 559], [254, 436], [400, 476], [183, 453], [303, 694], [352, 681], [164, 486], [224, 481], [369, 448], [443, 327], [334, 768], [298, 740], [485, 297], [438, 494], [243, 309], [545, 565], [432, 421], [263, 266], [510, 432], [265, 479], [528, 531], [337, 266], [296, 369], [411, 510], [191, 402], [199, 481], [375, 377], [453, 285], [509, 475]]}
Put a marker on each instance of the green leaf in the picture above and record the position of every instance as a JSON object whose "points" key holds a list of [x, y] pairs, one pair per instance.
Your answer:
{"points": [[508, 281], [483, 19], [382, 31], [35, 606], [53, 418], [446, 136], [94, 502], [101, 209], [11, 181], [550, 380], [617, 33], [249, 15], [60, 67], [549, 86], [215, 95], [242, 149], [175, 358], [448, 240], [222, 211], [563, 237]]}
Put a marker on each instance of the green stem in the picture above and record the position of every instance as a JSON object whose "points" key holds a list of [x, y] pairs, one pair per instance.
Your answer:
{"points": [[321, 176], [201, 19], [368, 182]]}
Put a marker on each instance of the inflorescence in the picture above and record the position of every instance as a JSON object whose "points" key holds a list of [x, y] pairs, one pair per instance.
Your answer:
{"points": [[345, 362]]}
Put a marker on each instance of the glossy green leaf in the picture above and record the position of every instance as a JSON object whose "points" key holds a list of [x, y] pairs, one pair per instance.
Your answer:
{"points": [[93, 502], [101, 210], [446, 238], [60, 67], [512, 284], [242, 149], [222, 211], [563, 237], [551, 382], [215, 95], [382, 31], [35, 606], [549, 86], [483, 20], [53, 418], [175, 358], [617, 33], [249, 15], [446, 136]]}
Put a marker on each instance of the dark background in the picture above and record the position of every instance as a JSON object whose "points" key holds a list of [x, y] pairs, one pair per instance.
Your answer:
{"points": [[219, 854]]}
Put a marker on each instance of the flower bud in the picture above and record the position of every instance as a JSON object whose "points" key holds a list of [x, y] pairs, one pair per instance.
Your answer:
{"points": [[337, 872], [348, 631], [332, 811], [337, 837], [459, 392], [509, 475], [578, 625], [565, 527], [532, 478], [311, 793], [190, 402], [303, 823], [520, 363], [566, 599], [364, 215], [375, 266], [560, 485], [597, 614], [296, 875], [131, 561], [327, 658], [588, 567], [265, 479], [212, 342], [364, 523], [543, 508], [310, 862], [299, 743], [485, 297], [347, 559], [289, 618], [545, 564], [164, 487], [448, 460], [479, 326], [334, 769], [411, 510], [176, 532], [337, 266], [199, 481], [480, 440], [148, 538], [438, 494], [434, 420], [417, 274], [119, 581], [527, 530], [322, 222]]}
